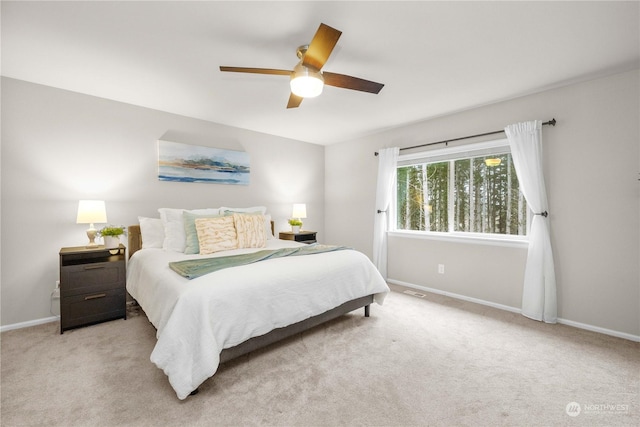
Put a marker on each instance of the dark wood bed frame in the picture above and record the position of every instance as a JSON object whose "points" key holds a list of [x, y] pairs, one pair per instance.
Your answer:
{"points": [[135, 243]]}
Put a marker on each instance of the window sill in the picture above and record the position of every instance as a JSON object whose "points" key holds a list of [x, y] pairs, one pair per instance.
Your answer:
{"points": [[468, 238]]}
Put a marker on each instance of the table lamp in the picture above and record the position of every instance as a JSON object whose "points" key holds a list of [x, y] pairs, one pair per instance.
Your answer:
{"points": [[90, 212], [299, 211]]}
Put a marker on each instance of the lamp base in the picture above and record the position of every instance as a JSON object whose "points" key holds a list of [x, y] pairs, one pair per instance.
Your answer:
{"points": [[91, 234]]}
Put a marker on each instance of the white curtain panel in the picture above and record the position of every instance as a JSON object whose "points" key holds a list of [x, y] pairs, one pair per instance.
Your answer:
{"points": [[539, 299], [387, 161]]}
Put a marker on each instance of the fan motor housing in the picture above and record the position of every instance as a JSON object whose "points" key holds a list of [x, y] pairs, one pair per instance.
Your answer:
{"points": [[301, 50]]}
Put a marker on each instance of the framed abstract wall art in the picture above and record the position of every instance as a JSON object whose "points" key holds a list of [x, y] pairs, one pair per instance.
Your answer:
{"points": [[193, 163]]}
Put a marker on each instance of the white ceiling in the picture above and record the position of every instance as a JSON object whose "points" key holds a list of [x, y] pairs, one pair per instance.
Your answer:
{"points": [[434, 58]]}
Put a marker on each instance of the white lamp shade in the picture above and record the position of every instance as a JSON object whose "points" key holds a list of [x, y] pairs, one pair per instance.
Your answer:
{"points": [[91, 211], [299, 210]]}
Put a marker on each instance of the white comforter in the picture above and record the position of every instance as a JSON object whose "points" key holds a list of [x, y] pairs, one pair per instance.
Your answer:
{"points": [[196, 319]]}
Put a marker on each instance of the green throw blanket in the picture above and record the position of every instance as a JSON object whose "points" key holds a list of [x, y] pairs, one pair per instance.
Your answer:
{"points": [[193, 268]]}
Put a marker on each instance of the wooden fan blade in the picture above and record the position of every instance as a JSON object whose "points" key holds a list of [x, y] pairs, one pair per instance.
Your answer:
{"points": [[256, 70], [321, 47], [294, 101], [348, 82]]}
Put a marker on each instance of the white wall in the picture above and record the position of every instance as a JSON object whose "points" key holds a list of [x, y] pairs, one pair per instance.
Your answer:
{"points": [[59, 147], [592, 160]]}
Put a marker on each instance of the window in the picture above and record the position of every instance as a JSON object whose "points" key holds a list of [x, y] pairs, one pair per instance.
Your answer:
{"points": [[467, 189]]}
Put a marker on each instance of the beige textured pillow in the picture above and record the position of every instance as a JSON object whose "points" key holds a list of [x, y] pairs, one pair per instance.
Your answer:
{"points": [[250, 230], [216, 234]]}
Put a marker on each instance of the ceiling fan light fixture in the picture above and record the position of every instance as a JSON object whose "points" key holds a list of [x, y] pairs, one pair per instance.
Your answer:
{"points": [[306, 82]]}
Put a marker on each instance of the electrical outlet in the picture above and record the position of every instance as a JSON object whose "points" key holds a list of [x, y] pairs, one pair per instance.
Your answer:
{"points": [[56, 291], [441, 268]]}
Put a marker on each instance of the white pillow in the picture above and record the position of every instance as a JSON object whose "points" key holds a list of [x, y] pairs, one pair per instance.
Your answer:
{"points": [[267, 227], [174, 234], [152, 231]]}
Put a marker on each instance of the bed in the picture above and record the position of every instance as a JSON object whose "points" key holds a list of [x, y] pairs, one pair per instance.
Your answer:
{"points": [[214, 318]]}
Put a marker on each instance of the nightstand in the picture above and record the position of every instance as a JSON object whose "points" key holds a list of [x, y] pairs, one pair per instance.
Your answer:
{"points": [[92, 286], [302, 237]]}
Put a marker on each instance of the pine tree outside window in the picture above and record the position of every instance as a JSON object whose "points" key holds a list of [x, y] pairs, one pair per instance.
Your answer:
{"points": [[467, 189]]}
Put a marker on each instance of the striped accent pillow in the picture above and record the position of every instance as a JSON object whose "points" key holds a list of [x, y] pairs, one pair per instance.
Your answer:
{"points": [[250, 230], [216, 234]]}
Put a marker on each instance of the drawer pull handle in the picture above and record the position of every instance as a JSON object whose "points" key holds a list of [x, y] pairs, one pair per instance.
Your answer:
{"points": [[95, 296], [93, 267]]}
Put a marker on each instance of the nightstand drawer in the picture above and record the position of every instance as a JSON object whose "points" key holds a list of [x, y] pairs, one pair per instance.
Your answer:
{"points": [[86, 278], [90, 308]]}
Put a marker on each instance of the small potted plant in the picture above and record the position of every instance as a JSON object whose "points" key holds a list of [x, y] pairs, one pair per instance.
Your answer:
{"points": [[111, 235], [295, 225]]}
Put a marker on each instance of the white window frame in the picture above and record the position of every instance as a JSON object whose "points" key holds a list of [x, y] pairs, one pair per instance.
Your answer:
{"points": [[451, 154]]}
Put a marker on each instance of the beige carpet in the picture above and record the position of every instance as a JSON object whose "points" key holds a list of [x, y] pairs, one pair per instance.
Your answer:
{"points": [[432, 361]]}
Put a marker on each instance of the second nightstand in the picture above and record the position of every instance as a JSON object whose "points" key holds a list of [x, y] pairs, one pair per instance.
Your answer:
{"points": [[302, 237], [92, 286]]}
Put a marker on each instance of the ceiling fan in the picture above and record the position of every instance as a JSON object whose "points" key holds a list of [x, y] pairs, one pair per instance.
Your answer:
{"points": [[307, 79]]}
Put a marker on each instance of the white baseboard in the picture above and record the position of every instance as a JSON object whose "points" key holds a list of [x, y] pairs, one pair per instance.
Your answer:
{"points": [[579, 325], [29, 323], [600, 330], [456, 296]]}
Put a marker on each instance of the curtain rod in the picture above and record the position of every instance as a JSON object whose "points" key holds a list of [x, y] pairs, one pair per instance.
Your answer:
{"points": [[551, 122]]}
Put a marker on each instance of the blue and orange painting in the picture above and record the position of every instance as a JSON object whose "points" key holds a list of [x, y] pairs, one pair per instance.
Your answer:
{"points": [[193, 163]]}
